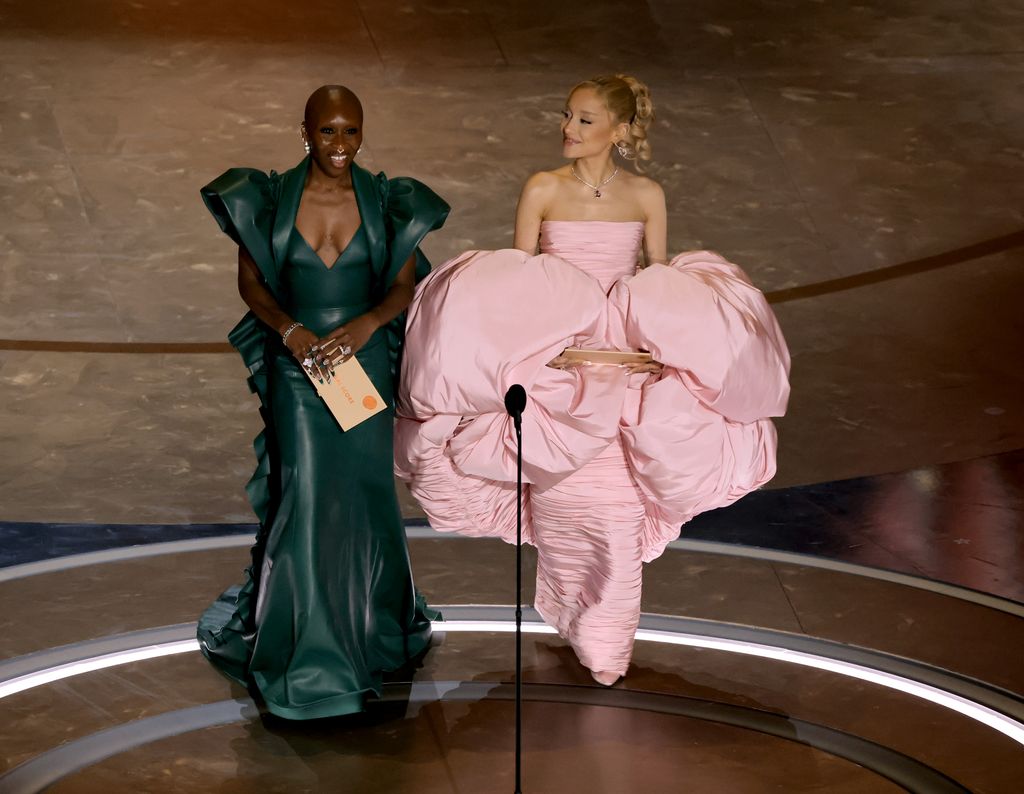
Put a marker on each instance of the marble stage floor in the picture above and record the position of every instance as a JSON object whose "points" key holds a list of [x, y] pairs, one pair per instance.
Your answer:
{"points": [[863, 162]]}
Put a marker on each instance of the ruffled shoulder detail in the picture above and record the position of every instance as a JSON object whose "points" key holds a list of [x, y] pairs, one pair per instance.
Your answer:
{"points": [[244, 201], [411, 211], [397, 214]]}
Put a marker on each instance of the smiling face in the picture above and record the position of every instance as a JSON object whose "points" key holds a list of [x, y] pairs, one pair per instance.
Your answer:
{"points": [[588, 127], [333, 127]]}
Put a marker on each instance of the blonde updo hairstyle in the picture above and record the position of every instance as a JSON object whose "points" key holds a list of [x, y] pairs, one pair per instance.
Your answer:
{"points": [[628, 100]]}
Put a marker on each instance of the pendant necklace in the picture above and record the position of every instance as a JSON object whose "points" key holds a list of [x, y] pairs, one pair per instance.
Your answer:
{"points": [[595, 188]]}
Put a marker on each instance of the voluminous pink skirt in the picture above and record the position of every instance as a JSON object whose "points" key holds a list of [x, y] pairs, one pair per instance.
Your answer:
{"points": [[588, 534], [614, 463]]}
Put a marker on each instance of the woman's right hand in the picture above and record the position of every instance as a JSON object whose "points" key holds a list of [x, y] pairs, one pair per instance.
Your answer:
{"points": [[301, 343]]}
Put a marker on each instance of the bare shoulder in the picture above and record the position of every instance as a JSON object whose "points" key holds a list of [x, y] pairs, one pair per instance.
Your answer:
{"points": [[645, 187], [649, 194], [539, 192], [542, 182]]}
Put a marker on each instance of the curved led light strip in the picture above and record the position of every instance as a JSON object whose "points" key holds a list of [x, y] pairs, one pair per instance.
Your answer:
{"points": [[420, 531], [968, 708], [57, 672]]}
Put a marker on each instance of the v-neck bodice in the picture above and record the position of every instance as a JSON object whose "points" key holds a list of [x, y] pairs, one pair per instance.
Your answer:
{"points": [[313, 288]]}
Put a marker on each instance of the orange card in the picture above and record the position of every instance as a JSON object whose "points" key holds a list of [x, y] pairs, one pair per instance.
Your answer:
{"points": [[350, 395]]}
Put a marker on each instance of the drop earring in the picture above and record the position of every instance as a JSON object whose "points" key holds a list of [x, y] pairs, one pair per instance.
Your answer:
{"points": [[307, 147], [622, 149]]}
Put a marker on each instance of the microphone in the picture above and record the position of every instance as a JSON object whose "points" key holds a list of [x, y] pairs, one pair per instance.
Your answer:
{"points": [[515, 403]]}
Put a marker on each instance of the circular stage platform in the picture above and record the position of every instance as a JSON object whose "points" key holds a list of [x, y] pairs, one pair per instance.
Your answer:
{"points": [[754, 671]]}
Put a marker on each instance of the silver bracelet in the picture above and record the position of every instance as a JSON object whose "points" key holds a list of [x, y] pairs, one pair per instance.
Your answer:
{"points": [[288, 330]]}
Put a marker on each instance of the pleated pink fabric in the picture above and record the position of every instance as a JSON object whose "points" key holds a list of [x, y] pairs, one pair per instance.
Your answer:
{"points": [[614, 463]]}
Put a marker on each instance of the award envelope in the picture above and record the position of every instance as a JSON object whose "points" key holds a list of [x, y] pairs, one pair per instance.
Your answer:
{"points": [[610, 357], [350, 395]]}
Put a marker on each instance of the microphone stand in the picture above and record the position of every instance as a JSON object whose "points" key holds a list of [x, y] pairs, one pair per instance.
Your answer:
{"points": [[515, 403]]}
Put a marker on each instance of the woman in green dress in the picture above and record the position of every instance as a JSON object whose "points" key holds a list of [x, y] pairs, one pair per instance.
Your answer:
{"points": [[327, 260]]}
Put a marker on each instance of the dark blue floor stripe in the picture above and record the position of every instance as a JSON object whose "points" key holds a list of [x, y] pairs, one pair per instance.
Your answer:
{"points": [[953, 523]]}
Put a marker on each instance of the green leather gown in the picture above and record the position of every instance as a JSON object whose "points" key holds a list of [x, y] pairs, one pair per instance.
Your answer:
{"points": [[328, 604]]}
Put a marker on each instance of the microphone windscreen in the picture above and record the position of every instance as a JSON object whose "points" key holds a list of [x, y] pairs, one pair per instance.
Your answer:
{"points": [[515, 400]]}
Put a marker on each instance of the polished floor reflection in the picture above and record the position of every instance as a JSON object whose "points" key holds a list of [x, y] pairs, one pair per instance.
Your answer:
{"points": [[707, 710], [961, 522]]}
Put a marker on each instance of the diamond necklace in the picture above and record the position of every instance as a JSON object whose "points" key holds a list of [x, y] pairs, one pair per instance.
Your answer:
{"points": [[595, 188]]}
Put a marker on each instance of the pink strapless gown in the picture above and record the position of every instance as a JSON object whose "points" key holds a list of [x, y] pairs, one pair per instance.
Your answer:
{"points": [[614, 463]]}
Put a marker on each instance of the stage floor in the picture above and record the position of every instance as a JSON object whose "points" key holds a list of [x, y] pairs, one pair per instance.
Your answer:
{"points": [[755, 670]]}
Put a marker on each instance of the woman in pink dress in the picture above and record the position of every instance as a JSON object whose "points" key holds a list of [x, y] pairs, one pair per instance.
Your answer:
{"points": [[616, 458]]}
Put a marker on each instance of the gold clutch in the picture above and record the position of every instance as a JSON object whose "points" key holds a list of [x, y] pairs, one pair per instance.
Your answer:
{"points": [[616, 358], [350, 395]]}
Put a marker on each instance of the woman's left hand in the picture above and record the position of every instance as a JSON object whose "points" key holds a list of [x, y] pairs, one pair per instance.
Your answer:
{"points": [[346, 340], [650, 367]]}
